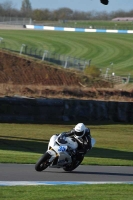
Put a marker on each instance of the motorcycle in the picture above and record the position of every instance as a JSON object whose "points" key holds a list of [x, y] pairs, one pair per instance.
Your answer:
{"points": [[61, 153]]}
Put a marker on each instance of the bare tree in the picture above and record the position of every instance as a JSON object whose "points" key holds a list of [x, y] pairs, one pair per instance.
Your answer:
{"points": [[64, 13], [41, 14], [26, 8], [7, 7]]}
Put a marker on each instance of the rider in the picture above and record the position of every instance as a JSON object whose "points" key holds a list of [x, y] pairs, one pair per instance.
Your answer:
{"points": [[82, 135]]}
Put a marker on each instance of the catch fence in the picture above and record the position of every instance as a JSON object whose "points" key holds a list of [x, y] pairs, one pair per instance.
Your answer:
{"points": [[45, 55], [15, 21]]}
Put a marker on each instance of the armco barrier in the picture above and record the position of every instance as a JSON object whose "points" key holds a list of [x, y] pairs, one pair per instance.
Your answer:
{"points": [[41, 110], [52, 28]]}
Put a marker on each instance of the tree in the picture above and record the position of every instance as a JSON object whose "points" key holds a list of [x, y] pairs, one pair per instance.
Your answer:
{"points": [[7, 7], [92, 71], [26, 8], [37, 14]]}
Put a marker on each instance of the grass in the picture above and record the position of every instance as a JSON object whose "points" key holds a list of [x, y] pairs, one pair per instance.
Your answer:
{"points": [[96, 24], [101, 48], [84, 192], [25, 143]]}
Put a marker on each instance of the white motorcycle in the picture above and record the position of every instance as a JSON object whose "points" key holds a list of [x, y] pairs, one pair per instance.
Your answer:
{"points": [[61, 153]]}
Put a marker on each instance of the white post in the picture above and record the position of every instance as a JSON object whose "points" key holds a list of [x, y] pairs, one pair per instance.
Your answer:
{"points": [[1, 39], [128, 78], [107, 72], [21, 49], [66, 63], [44, 55], [85, 64], [89, 63]]}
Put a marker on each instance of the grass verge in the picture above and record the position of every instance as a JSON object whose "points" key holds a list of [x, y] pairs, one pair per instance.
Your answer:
{"points": [[25, 143], [101, 48], [83, 192]]}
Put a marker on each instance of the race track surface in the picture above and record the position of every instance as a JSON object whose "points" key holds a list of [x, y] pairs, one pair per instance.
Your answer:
{"points": [[26, 172]]}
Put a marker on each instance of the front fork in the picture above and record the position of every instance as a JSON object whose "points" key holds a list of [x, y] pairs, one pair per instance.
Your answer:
{"points": [[53, 154]]}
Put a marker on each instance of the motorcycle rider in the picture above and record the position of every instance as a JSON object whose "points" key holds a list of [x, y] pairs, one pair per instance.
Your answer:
{"points": [[82, 135]]}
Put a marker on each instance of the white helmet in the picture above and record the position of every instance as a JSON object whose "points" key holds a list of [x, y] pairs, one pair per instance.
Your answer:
{"points": [[79, 130]]}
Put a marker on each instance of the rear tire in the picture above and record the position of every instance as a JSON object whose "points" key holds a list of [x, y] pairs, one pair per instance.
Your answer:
{"points": [[73, 166], [43, 162]]}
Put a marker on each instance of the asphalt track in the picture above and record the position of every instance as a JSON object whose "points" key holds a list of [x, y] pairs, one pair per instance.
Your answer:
{"points": [[26, 172]]}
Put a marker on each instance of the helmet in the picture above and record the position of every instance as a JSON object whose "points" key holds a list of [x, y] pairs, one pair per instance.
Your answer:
{"points": [[79, 130]]}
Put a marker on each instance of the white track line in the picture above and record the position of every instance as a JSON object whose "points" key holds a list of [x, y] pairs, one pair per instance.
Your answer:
{"points": [[23, 183]]}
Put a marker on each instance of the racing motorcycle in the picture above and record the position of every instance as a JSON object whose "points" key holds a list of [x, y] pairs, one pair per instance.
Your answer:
{"points": [[61, 153]]}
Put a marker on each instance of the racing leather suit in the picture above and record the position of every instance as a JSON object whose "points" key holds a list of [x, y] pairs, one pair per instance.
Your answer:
{"points": [[84, 143]]}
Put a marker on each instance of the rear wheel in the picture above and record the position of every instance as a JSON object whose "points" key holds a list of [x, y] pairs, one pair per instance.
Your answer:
{"points": [[43, 162], [74, 165]]}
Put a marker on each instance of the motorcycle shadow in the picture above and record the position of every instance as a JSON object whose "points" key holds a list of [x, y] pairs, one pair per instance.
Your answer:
{"points": [[92, 173]]}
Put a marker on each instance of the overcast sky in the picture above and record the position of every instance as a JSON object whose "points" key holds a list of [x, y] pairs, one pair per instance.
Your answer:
{"points": [[79, 5]]}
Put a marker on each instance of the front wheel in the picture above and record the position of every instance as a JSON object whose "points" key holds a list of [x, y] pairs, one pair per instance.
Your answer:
{"points": [[43, 162]]}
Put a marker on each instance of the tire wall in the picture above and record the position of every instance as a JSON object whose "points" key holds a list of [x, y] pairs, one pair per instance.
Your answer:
{"points": [[28, 110]]}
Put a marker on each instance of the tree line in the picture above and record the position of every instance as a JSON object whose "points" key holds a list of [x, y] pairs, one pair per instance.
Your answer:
{"points": [[7, 9]]}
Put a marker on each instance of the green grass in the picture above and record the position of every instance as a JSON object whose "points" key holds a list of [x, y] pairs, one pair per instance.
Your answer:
{"points": [[83, 192], [25, 143], [97, 24], [101, 48]]}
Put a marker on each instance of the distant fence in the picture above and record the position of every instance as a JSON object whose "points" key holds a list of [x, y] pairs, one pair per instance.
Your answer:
{"points": [[45, 55], [123, 79], [15, 20], [63, 60]]}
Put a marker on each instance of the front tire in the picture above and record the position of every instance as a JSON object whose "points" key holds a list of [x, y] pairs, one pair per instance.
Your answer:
{"points": [[43, 162]]}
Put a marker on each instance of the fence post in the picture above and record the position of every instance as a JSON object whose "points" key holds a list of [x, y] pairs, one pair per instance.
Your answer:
{"points": [[21, 49], [85, 64], [107, 72], [89, 63], [1, 39], [65, 66], [128, 78], [44, 55]]}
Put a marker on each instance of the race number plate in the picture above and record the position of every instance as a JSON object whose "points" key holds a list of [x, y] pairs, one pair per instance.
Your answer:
{"points": [[62, 148]]}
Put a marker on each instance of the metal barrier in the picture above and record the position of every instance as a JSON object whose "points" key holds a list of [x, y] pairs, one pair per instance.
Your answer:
{"points": [[15, 20], [123, 79], [45, 55]]}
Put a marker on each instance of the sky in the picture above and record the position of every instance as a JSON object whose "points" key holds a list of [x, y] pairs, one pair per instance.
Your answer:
{"points": [[78, 5]]}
